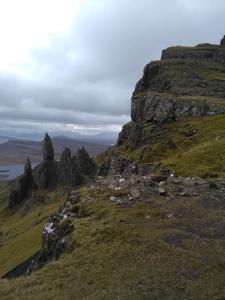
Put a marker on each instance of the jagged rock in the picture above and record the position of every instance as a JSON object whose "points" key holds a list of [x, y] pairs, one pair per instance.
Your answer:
{"points": [[156, 107], [24, 186], [131, 133], [55, 239], [68, 173], [147, 168], [103, 169], [47, 148], [161, 94], [46, 172], [85, 163], [56, 232]]}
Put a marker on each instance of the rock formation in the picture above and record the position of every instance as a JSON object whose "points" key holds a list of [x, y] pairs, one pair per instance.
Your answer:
{"points": [[222, 43], [48, 150], [56, 233], [186, 82], [24, 186], [85, 163], [68, 173], [47, 170]]}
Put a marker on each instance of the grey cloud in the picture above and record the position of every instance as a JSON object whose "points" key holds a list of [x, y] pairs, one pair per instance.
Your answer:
{"points": [[86, 77]]}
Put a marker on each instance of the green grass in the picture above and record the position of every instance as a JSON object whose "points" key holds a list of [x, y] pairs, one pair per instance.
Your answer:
{"points": [[214, 75], [119, 252], [21, 233], [201, 154]]}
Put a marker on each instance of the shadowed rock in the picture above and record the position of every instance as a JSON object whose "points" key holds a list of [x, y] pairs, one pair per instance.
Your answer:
{"points": [[48, 151], [68, 173], [85, 163], [25, 186], [46, 171]]}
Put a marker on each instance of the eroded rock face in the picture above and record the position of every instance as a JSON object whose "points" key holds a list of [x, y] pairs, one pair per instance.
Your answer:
{"points": [[86, 165], [154, 107], [68, 173], [222, 43], [185, 82], [116, 165], [24, 186], [56, 233], [131, 132]]}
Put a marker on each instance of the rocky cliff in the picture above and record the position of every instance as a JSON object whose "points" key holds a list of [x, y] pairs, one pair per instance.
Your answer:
{"points": [[188, 83]]}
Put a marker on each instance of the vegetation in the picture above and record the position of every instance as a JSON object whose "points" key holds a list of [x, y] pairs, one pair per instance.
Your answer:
{"points": [[190, 147], [21, 230], [133, 252]]}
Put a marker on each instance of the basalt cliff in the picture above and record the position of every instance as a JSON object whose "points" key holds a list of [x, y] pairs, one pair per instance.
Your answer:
{"points": [[177, 107]]}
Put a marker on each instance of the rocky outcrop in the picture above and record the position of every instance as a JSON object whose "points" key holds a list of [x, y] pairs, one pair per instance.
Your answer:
{"points": [[24, 187], [46, 171], [47, 148], [85, 163], [163, 107], [56, 233], [187, 81], [222, 43], [131, 132], [68, 173], [116, 165]]}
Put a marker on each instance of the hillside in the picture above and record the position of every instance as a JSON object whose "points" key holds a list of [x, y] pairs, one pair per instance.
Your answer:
{"points": [[16, 151], [177, 112], [149, 224]]}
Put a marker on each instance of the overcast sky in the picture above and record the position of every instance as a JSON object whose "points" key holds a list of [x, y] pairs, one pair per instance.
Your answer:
{"points": [[71, 66]]}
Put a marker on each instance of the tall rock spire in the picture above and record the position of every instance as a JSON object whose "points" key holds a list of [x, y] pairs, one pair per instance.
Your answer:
{"points": [[27, 168], [47, 148]]}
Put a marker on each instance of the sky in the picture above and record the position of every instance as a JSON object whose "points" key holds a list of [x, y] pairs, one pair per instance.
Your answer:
{"points": [[70, 66]]}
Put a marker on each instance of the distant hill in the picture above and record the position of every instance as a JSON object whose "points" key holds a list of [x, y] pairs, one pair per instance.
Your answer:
{"points": [[15, 150]]}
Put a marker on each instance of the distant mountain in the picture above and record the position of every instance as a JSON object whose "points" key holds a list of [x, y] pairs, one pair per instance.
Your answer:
{"points": [[15, 150], [103, 138]]}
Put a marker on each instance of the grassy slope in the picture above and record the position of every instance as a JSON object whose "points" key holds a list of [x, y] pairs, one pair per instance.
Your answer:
{"points": [[201, 154], [21, 234], [120, 253]]}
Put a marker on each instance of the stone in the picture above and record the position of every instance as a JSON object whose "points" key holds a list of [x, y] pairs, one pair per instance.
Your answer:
{"points": [[162, 191], [85, 163], [47, 148], [68, 173], [25, 185], [103, 169]]}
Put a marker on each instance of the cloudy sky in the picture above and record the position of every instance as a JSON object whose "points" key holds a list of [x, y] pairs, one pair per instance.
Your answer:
{"points": [[71, 66]]}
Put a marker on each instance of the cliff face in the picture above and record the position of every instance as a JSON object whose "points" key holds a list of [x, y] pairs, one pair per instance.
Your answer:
{"points": [[187, 83]]}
